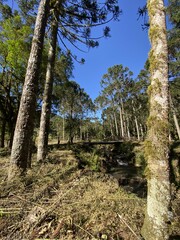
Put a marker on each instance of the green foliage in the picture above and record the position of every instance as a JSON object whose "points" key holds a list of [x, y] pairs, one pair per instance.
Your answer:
{"points": [[173, 11], [90, 160], [139, 158], [14, 51], [88, 156], [74, 105]]}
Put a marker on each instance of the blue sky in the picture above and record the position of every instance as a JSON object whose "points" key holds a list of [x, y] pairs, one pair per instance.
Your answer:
{"points": [[128, 45]]}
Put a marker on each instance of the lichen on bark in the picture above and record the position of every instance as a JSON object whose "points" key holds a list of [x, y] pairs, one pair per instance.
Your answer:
{"points": [[157, 218]]}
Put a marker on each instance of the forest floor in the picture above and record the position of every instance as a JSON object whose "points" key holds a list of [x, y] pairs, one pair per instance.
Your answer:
{"points": [[58, 199]]}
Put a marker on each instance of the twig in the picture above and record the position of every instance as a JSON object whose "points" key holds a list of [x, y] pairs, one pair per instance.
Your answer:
{"points": [[85, 231], [123, 221]]}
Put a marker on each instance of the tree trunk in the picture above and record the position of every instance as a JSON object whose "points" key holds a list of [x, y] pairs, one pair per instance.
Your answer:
{"points": [[121, 122], [158, 215], [141, 130], [128, 131], [46, 106], [3, 131], [174, 117], [25, 119], [136, 123], [137, 128], [116, 125], [63, 128]]}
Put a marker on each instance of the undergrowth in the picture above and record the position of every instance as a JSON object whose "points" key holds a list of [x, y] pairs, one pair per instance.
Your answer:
{"points": [[64, 199]]}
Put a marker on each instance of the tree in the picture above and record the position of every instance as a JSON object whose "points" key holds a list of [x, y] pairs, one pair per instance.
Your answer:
{"points": [[156, 223], [173, 11], [92, 14], [120, 99], [24, 125], [46, 106], [74, 106], [14, 51]]}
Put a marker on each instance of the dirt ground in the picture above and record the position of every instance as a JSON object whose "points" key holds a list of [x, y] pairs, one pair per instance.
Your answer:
{"points": [[57, 200]]}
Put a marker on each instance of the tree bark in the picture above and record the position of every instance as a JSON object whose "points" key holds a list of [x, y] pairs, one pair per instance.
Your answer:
{"points": [[116, 125], [127, 128], [63, 128], [3, 131], [136, 123], [121, 122], [158, 215], [46, 106], [25, 119], [137, 128], [174, 117]]}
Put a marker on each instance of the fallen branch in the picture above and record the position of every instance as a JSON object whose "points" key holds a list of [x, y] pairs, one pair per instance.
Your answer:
{"points": [[123, 221], [85, 231]]}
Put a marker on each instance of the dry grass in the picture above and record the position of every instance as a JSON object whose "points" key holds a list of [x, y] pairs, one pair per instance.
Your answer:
{"points": [[56, 200]]}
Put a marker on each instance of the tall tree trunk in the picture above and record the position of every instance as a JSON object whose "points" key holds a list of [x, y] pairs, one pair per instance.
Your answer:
{"points": [[111, 127], [121, 122], [137, 128], [46, 106], [141, 130], [116, 125], [136, 123], [25, 119], [128, 130], [157, 218], [63, 128], [174, 117]]}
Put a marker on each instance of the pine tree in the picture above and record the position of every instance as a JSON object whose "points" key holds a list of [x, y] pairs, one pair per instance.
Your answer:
{"points": [[24, 125]]}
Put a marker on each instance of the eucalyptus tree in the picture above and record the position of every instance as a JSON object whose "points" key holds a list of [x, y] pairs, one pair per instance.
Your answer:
{"points": [[157, 218]]}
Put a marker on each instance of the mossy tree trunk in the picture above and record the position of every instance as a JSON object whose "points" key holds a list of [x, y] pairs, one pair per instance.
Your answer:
{"points": [[24, 125], [157, 219], [46, 106]]}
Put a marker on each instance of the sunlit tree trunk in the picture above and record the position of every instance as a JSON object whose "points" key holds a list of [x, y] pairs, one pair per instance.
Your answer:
{"points": [[124, 119], [25, 119], [157, 218], [121, 122], [46, 106], [175, 117], [137, 128], [136, 123], [127, 127], [141, 130]]}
